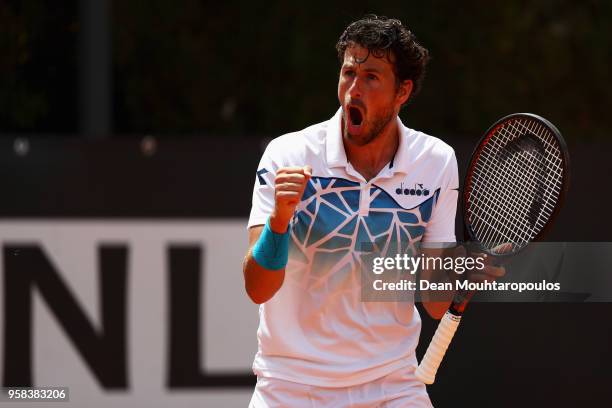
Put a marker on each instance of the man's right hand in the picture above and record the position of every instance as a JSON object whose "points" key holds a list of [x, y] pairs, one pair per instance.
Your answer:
{"points": [[289, 187]]}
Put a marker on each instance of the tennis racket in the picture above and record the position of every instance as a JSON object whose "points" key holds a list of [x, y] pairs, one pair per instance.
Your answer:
{"points": [[514, 187]]}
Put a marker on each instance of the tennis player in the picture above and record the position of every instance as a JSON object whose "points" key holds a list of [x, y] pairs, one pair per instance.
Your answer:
{"points": [[320, 194]]}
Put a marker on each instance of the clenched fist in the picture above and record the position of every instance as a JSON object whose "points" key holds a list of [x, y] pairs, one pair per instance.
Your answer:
{"points": [[289, 187]]}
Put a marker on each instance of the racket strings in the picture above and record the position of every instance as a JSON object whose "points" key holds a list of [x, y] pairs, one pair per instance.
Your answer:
{"points": [[502, 193], [526, 163], [495, 204], [553, 163], [495, 212], [540, 188], [501, 176], [515, 183]]}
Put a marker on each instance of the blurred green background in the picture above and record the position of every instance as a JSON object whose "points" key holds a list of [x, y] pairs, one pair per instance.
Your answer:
{"points": [[252, 69]]}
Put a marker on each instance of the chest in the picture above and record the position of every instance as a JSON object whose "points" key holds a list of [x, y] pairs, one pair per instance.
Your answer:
{"points": [[337, 214]]}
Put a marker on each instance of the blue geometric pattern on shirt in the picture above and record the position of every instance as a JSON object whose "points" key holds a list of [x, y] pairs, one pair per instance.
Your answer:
{"points": [[328, 221]]}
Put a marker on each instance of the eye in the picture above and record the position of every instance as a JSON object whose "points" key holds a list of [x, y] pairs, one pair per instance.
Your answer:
{"points": [[372, 77], [349, 73]]}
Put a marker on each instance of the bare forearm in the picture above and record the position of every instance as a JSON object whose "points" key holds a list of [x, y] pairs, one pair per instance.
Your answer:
{"points": [[436, 302], [260, 283]]}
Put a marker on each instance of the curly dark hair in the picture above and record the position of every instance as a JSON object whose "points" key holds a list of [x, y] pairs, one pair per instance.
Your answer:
{"points": [[383, 36]]}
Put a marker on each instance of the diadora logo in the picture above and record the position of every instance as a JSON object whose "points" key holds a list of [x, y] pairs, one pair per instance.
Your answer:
{"points": [[418, 190]]}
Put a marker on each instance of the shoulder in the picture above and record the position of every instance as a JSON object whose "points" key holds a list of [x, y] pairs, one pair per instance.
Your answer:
{"points": [[430, 145], [426, 147]]}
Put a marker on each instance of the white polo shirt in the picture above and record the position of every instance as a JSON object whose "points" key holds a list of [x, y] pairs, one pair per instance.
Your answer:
{"points": [[316, 330]]}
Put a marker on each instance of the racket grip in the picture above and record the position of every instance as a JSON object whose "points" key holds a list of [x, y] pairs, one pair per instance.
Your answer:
{"points": [[426, 372]]}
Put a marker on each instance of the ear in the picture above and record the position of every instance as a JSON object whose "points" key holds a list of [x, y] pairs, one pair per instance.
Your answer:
{"points": [[404, 91]]}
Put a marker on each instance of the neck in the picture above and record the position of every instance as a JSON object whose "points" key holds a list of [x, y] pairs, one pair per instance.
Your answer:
{"points": [[370, 159]]}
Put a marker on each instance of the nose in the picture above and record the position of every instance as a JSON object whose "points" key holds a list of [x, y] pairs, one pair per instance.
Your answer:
{"points": [[355, 89]]}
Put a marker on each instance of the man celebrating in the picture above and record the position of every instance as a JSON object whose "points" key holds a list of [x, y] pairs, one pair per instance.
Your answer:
{"points": [[320, 194]]}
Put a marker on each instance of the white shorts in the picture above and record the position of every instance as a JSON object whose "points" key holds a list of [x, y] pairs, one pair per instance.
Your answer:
{"points": [[398, 389]]}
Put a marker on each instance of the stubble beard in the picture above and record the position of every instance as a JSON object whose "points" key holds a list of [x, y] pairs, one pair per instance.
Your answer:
{"points": [[377, 125]]}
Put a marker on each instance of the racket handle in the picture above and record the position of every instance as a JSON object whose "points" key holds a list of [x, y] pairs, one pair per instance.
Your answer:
{"points": [[426, 372]]}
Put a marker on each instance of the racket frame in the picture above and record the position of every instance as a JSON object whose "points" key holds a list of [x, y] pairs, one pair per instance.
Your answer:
{"points": [[429, 365]]}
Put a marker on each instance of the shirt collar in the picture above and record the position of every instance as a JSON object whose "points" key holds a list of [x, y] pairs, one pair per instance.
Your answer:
{"points": [[403, 157], [336, 156]]}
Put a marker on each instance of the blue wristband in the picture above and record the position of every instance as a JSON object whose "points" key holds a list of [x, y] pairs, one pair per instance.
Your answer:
{"points": [[271, 250]]}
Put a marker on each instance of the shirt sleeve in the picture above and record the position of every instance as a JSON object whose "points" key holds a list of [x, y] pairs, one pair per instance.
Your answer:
{"points": [[441, 226], [263, 191]]}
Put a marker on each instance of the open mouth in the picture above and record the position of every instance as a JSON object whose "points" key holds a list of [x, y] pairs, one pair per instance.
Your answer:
{"points": [[355, 116]]}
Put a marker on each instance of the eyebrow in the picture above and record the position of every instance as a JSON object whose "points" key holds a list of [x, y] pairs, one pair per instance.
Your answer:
{"points": [[352, 66]]}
